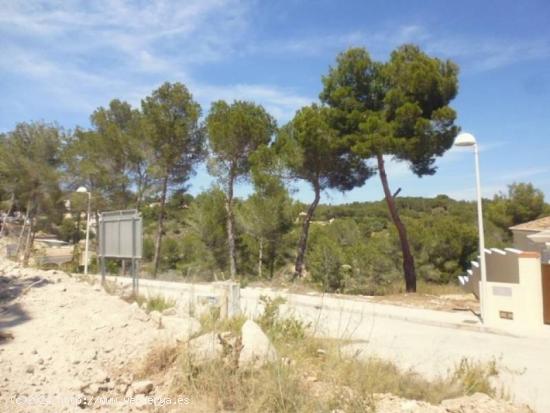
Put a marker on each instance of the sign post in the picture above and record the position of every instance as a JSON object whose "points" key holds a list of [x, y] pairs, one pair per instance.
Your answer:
{"points": [[121, 237]]}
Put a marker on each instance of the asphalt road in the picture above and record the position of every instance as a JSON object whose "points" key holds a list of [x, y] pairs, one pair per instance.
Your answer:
{"points": [[430, 342]]}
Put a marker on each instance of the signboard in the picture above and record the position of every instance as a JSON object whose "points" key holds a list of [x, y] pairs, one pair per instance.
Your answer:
{"points": [[120, 234]]}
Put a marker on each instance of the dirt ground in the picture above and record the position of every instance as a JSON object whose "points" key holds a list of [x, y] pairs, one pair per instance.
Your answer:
{"points": [[444, 302], [66, 345]]}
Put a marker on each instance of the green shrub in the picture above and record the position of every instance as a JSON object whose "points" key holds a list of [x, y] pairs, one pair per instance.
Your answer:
{"points": [[287, 328], [159, 303]]}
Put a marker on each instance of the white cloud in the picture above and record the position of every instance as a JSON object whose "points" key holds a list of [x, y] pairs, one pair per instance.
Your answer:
{"points": [[281, 103], [474, 54], [86, 53]]}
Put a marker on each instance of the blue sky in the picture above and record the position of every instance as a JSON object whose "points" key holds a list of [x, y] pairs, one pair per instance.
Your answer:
{"points": [[59, 60]]}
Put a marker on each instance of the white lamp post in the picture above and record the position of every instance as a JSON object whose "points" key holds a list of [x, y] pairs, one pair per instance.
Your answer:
{"points": [[467, 139], [82, 189]]}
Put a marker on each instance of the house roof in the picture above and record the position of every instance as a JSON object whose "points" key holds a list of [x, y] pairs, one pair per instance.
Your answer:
{"points": [[540, 224]]}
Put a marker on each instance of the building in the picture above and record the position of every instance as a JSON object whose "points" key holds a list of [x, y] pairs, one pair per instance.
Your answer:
{"points": [[525, 237], [517, 292]]}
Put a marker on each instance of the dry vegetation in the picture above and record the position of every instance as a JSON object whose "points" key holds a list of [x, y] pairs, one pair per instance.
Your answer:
{"points": [[310, 374]]}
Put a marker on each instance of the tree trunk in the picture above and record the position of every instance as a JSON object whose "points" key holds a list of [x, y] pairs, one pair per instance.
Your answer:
{"points": [[20, 238], [231, 228], [160, 223], [260, 257], [139, 191], [29, 242], [302, 244], [12, 202], [408, 260]]}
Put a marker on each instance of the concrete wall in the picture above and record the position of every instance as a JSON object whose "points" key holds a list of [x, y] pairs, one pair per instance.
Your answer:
{"points": [[517, 306], [502, 267], [513, 291], [190, 299]]}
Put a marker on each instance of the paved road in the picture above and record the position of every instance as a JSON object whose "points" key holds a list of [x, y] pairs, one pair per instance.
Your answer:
{"points": [[431, 342]]}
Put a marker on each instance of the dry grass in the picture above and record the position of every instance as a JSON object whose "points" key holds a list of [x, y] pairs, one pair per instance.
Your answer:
{"points": [[158, 360], [309, 376], [211, 321], [424, 287]]}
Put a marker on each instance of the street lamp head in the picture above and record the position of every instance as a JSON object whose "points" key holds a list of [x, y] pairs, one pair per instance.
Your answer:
{"points": [[82, 189], [465, 139]]}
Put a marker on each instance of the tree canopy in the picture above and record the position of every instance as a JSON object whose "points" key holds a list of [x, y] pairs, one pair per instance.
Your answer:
{"points": [[310, 150], [171, 121], [235, 132], [399, 108]]}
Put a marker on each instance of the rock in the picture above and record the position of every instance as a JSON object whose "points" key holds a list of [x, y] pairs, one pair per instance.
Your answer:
{"points": [[138, 313], [170, 311], [100, 376], [205, 348], [389, 403], [142, 387], [140, 401], [129, 392], [257, 349], [29, 369], [181, 329], [156, 317], [107, 386], [476, 403], [482, 403], [91, 389], [89, 355], [121, 388], [125, 378]]}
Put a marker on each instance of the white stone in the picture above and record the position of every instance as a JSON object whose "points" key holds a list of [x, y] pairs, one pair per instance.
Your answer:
{"points": [[257, 349], [156, 317], [205, 348], [138, 313], [181, 329], [169, 311], [142, 387]]}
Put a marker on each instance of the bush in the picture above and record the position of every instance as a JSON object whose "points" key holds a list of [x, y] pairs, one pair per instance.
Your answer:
{"points": [[280, 329], [159, 303]]}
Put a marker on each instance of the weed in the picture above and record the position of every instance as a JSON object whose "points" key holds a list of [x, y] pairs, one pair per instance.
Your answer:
{"points": [[475, 376], [278, 328], [211, 321], [159, 303]]}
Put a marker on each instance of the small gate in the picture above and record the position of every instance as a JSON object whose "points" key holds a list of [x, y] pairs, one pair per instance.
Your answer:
{"points": [[546, 292]]}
